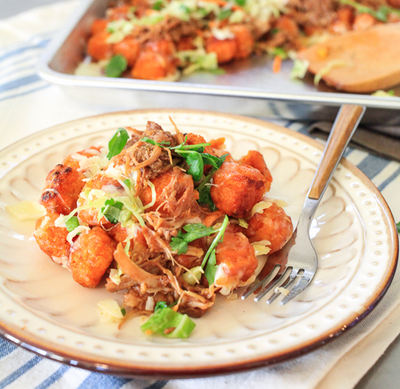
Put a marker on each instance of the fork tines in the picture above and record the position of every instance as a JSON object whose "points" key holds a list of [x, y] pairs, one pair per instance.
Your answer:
{"points": [[281, 278]]}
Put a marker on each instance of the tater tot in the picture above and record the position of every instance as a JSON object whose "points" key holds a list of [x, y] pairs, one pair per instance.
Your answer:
{"points": [[244, 41], [73, 162], [61, 190], [174, 193], [225, 49], [52, 240], [237, 188], [255, 158], [237, 258], [273, 225], [98, 47], [91, 255]]}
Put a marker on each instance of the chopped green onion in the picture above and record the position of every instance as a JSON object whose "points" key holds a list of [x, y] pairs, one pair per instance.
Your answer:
{"points": [[224, 14], [398, 227], [123, 311], [127, 182], [240, 2], [158, 5], [278, 52], [117, 65], [117, 142], [72, 223], [112, 210], [160, 305]]}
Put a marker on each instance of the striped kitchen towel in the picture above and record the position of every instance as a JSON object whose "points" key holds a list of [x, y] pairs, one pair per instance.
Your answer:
{"points": [[29, 104]]}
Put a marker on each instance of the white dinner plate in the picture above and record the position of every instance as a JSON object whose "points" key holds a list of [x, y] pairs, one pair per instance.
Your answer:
{"points": [[44, 310]]}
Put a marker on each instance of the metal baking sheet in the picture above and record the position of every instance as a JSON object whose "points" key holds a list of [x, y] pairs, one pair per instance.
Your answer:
{"points": [[252, 87]]}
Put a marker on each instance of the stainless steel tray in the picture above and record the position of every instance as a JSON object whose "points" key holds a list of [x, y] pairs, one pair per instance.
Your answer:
{"points": [[248, 87]]}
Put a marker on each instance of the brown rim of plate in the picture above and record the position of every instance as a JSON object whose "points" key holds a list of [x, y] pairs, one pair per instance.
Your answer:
{"points": [[124, 369]]}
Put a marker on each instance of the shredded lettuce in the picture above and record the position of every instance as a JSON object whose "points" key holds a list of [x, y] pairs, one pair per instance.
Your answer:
{"points": [[382, 93], [167, 322], [299, 69]]}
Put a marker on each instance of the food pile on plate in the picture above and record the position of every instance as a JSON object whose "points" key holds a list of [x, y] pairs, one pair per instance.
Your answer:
{"points": [[168, 219]]}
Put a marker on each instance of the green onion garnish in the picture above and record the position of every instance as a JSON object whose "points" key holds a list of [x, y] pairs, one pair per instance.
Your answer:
{"points": [[72, 223], [112, 210]]}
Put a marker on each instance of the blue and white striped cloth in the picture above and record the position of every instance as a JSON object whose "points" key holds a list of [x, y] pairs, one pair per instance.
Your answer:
{"points": [[28, 104]]}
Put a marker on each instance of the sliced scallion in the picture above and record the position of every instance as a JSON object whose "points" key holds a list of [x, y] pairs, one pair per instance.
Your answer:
{"points": [[72, 223]]}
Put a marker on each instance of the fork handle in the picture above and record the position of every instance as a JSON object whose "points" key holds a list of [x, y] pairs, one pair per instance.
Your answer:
{"points": [[343, 129]]}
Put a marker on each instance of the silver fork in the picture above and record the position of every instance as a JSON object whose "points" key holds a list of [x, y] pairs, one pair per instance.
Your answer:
{"points": [[297, 260]]}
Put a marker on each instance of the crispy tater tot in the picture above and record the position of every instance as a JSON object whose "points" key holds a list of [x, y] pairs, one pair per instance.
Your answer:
{"points": [[129, 48], [98, 47], [52, 240], [273, 225], [174, 193], [364, 21], [98, 26], [91, 255], [156, 61], [237, 258], [244, 41], [73, 162], [216, 147], [288, 25], [255, 158], [61, 191], [237, 188], [225, 49]]}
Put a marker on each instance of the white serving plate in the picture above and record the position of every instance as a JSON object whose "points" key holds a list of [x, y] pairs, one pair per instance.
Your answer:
{"points": [[44, 310]]}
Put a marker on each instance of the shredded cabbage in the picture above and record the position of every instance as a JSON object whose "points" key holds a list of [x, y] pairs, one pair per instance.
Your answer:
{"points": [[261, 247], [115, 275], [264, 9], [299, 69], [243, 223], [110, 311], [336, 63], [26, 210], [77, 231], [259, 207]]}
